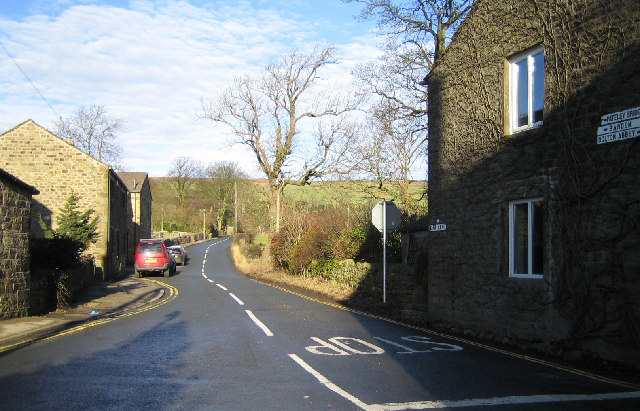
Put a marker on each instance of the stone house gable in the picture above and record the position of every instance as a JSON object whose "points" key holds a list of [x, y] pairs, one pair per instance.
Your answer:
{"points": [[15, 212], [57, 168], [140, 200], [541, 245]]}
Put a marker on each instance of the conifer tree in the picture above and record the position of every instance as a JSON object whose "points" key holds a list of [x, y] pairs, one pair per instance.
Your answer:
{"points": [[75, 225]]}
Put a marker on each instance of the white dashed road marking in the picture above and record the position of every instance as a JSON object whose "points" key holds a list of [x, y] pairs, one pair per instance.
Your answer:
{"points": [[239, 301], [259, 323]]}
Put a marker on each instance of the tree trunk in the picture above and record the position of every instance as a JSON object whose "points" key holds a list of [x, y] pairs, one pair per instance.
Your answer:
{"points": [[278, 196]]}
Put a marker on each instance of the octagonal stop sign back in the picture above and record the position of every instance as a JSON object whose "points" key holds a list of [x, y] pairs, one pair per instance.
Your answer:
{"points": [[392, 214]]}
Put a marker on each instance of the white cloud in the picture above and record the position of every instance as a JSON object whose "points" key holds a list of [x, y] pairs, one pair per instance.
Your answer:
{"points": [[149, 64]]}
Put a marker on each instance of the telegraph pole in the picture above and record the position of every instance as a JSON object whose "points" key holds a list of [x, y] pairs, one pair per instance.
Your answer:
{"points": [[204, 224], [235, 212]]}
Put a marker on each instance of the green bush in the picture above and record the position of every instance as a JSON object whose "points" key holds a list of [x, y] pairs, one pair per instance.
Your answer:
{"points": [[315, 243], [284, 241], [336, 244], [348, 272], [62, 248], [247, 245], [253, 251]]}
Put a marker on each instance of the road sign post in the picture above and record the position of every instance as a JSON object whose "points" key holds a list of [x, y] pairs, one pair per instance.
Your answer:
{"points": [[385, 216]]}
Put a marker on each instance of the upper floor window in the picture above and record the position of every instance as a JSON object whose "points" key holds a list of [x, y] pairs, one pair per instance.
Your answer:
{"points": [[526, 89], [526, 238]]}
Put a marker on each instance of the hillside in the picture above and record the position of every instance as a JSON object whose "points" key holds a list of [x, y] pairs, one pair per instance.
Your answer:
{"points": [[204, 203]]}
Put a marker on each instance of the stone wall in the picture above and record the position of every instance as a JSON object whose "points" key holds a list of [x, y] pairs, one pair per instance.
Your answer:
{"points": [[401, 285], [179, 237], [589, 298], [44, 295], [15, 207], [56, 169]]}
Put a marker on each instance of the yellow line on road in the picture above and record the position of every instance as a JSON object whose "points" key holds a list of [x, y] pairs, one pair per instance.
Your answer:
{"points": [[173, 293]]}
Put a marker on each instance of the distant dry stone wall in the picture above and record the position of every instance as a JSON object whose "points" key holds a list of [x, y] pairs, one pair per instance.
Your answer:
{"points": [[179, 237]]}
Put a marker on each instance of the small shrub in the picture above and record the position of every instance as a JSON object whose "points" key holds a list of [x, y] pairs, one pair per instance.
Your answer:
{"points": [[247, 247], [347, 272], [314, 244], [279, 250], [253, 251]]}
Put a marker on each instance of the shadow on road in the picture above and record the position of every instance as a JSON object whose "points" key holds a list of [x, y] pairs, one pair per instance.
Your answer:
{"points": [[137, 373]]}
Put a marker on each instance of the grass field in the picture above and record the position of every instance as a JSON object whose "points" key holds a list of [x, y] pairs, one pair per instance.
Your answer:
{"points": [[345, 192], [167, 214]]}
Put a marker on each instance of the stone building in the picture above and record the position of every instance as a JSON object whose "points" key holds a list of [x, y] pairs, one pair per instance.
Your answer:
{"points": [[140, 211], [15, 217], [58, 169], [534, 177]]}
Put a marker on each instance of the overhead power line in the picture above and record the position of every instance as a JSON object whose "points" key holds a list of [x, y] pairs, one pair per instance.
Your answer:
{"points": [[26, 76]]}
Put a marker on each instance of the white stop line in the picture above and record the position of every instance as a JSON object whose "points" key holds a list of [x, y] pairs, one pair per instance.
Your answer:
{"points": [[476, 402]]}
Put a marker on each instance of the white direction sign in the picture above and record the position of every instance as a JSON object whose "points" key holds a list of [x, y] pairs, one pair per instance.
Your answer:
{"points": [[619, 126]]}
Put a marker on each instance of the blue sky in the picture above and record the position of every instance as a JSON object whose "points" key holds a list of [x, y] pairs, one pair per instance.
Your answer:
{"points": [[149, 63]]}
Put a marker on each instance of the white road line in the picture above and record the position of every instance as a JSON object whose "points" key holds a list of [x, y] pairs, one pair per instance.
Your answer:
{"points": [[327, 383], [528, 399], [259, 323], [239, 301], [210, 280], [222, 286], [478, 402]]}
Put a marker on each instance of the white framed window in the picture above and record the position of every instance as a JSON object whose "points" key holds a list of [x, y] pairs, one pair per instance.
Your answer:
{"points": [[526, 244], [526, 89]]}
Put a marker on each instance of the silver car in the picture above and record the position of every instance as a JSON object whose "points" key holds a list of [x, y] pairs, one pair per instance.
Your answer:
{"points": [[179, 254]]}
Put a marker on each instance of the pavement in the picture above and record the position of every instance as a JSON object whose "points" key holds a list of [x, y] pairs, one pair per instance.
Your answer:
{"points": [[95, 302]]}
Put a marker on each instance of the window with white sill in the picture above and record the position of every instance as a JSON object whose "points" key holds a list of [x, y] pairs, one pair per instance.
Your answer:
{"points": [[526, 245], [526, 89]]}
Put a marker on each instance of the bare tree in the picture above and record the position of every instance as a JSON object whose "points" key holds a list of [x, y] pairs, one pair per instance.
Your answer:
{"points": [[416, 34], [183, 175], [91, 130], [297, 131], [224, 177], [426, 25], [394, 145]]}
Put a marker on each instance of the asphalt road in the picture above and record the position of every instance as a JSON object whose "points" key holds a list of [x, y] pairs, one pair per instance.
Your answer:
{"points": [[225, 342]]}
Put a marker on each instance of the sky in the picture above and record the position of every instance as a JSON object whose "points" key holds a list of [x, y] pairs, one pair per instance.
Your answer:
{"points": [[149, 63]]}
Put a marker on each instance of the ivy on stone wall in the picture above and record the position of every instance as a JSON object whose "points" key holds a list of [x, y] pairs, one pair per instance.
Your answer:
{"points": [[592, 55]]}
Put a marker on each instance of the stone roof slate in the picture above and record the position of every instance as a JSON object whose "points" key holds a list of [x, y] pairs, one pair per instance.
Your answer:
{"points": [[133, 180]]}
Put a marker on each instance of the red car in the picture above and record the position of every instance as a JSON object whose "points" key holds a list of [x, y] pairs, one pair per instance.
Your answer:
{"points": [[153, 256]]}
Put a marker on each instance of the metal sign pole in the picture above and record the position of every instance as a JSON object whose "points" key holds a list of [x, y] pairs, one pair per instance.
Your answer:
{"points": [[383, 211], [384, 252]]}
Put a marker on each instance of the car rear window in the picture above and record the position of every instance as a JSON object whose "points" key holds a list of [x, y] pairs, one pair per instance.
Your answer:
{"points": [[150, 248]]}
